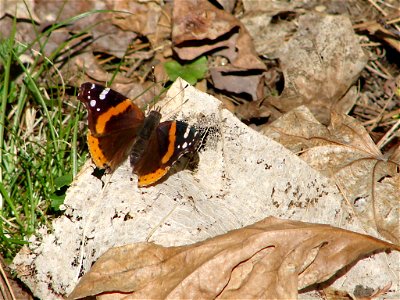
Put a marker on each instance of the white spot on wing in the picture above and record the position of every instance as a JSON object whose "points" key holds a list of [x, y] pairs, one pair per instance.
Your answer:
{"points": [[92, 103], [186, 134], [184, 145], [104, 93], [93, 86]]}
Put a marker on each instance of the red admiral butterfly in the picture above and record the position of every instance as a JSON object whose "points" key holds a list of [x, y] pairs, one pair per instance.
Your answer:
{"points": [[118, 129]]}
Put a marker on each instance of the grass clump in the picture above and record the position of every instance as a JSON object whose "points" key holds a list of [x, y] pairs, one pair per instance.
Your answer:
{"points": [[38, 142]]}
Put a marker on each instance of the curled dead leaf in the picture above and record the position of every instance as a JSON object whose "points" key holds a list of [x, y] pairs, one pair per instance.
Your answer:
{"points": [[200, 28], [273, 258], [345, 152], [230, 81]]}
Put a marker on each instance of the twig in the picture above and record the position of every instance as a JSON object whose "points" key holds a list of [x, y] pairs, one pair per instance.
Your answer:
{"points": [[386, 117], [380, 116], [388, 135], [376, 71], [5, 278], [377, 7]]}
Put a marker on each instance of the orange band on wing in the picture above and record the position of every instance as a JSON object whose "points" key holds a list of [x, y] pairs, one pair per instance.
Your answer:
{"points": [[97, 155], [148, 179], [107, 115], [171, 144]]}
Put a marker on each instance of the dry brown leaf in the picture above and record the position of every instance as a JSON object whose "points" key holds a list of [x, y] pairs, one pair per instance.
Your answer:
{"points": [[10, 288], [21, 9], [253, 109], [107, 37], [88, 63], [272, 6], [381, 33], [142, 17], [345, 152], [148, 19], [272, 258], [200, 28], [268, 36], [320, 63], [199, 23], [330, 293], [227, 5], [395, 156], [230, 81]]}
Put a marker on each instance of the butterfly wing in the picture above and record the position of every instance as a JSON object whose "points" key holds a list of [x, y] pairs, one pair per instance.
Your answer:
{"points": [[169, 141], [113, 122]]}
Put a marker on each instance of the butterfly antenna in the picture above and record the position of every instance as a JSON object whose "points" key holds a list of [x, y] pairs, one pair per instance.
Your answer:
{"points": [[173, 97], [156, 98]]}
